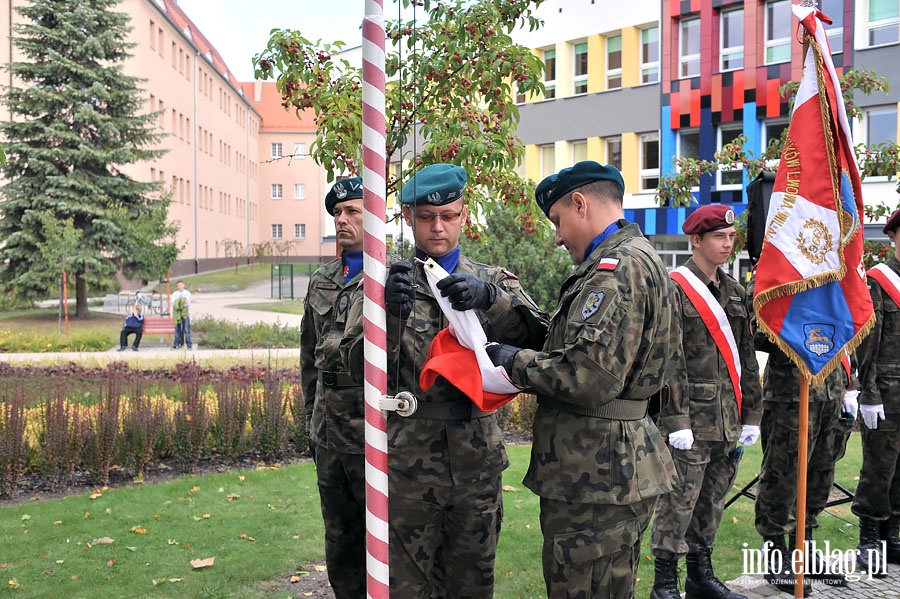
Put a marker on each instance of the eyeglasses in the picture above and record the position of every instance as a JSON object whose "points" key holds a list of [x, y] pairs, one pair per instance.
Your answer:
{"points": [[447, 217]]}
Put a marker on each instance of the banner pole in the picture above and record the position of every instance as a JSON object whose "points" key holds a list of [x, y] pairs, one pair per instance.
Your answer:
{"points": [[802, 451]]}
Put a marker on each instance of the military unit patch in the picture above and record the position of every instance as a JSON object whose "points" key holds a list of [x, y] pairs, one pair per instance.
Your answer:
{"points": [[592, 303], [608, 264]]}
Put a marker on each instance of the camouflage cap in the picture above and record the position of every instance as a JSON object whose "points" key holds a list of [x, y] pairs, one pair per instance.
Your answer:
{"points": [[711, 217], [436, 185], [345, 189], [568, 179]]}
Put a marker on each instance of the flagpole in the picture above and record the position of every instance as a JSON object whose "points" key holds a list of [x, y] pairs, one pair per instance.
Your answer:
{"points": [[802, 450]]}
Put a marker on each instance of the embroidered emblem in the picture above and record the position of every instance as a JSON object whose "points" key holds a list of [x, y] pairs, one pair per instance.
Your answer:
{"points": [[340, 191], [814, 240], [592, 304], [434, 197], [608, 264], [729, 216], [819, 338]]}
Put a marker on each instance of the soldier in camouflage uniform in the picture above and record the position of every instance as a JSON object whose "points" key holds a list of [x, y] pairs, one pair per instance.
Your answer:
{"points": [[705, 414], [776, 499], [877, 500], [445, 461], [598, 461], [334, 404]]}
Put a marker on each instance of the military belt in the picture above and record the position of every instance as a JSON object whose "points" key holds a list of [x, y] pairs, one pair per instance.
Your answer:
{"points": [[330, 378], [617, 409], [448, 410]]}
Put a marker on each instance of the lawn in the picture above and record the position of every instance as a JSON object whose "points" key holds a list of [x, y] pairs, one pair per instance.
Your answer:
{"points": [[261, 526], [282, 307], [46, 321], [229, 280]]}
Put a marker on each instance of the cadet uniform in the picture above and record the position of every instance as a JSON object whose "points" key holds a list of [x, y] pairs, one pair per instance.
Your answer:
{"points": [[704, 402], [598, 461], [334, 412], [776, 499], [445, 461], [877, 500]]}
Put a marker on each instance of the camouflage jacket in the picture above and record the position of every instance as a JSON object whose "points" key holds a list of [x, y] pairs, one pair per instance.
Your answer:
{"points": [[334, 411], [445, 452], [614, 336], [781, 378], [879, 354], [702, 396]]}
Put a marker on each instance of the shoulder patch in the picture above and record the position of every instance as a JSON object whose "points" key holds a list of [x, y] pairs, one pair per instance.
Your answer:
{"points": [[592, 303], [509, 274], [608, 264]]}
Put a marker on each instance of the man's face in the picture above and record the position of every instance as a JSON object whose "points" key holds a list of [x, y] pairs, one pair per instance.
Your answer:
{"points": [[571, 231], [714, 247], [180, 286], [348, 224], [436, 229]]}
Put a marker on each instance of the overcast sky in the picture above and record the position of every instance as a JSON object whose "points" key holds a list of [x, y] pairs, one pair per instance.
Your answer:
{"points": [[240, 28]]}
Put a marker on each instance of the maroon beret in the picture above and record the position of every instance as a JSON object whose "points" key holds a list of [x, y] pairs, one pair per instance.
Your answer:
{"points": [[711, 217], [893, 222]]}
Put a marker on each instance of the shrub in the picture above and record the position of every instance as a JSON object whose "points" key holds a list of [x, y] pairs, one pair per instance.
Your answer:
{"points": [[223, 334], [62, 438], [190, 426], [31, 342], [230, 422], [268, 417], [13, 447]]}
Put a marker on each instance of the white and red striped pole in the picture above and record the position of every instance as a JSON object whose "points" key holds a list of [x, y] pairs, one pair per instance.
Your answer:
{"points": [[374, 317]]}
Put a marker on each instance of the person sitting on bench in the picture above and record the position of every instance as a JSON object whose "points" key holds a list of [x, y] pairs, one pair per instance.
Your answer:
{"points": [[134, 323]]}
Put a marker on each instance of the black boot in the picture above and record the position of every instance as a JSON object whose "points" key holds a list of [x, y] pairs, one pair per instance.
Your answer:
{"points": [[701, 580], [816, 565], [890, 533], [665, 582], [778, 566], [870, 558]]}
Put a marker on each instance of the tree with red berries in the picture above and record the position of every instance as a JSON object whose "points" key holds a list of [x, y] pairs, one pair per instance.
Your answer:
{"points": [[451, 73]]}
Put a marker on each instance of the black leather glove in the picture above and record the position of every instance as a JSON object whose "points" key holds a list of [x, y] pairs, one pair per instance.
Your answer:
{"points": [[466, 291], [398, 290], [502, 355]]}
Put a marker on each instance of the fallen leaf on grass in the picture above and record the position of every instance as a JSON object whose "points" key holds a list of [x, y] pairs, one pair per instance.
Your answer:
{"points": [[139, 530], [2, 565], [173, 542], [87, 515], [14, 584], [26, 517], [202, 563], [232, 497], [139, 479], [734, 520], [510, 488], [319, 568], [57, 522], [159, 581], [97, 493], [102, 541], [244, 536], [112, 562]]}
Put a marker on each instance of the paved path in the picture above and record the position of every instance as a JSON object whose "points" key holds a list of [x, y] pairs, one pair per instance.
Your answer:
{"points": [[755, 587]]}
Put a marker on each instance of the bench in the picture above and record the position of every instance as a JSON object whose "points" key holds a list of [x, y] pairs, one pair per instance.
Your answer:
{"points": [[163, 326]]}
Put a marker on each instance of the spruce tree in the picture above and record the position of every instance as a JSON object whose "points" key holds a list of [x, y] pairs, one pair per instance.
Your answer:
{"points": [[75, 124]]}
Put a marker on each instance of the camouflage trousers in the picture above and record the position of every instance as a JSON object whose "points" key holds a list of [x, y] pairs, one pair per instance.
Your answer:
{"points": [[342, 492], [878, 493], [776, 495], [443, 539], [689, 516], [592, 551]]}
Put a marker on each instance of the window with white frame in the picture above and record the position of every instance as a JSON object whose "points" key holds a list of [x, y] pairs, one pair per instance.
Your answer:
{"points": [[689, 48], [276, 191], [299, 191], [778, 27], [550, 73], [276, 150], [650, 55], [579, 151], [614, 152], [835, 31], [649, 161], [276, 231], [614, 62], [299, 231], [548, 160], [300, 150], [880, 128], [729, 175], [731, 40], [882, 21], [580, 76]]}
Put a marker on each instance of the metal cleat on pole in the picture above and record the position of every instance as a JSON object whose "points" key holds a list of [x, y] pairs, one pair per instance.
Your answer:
{"points": [[404, 403]]}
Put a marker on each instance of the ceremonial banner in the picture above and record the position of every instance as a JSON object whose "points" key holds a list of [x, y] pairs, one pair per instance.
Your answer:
{"points": [[811, 295]]}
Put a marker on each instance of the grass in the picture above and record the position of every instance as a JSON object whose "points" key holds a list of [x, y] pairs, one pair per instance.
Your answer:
{"points": [[282, 307], [49, 548], [45, 322], [229, 280]]}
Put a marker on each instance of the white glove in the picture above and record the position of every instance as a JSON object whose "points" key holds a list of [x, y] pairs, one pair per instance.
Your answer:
{"points": [[749, 434], [850, 403], [871, 414], [682, 439]]}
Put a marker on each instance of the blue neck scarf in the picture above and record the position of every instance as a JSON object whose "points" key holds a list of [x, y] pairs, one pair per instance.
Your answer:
{"points": [[448, 261], [353, 263], [603, 237]]}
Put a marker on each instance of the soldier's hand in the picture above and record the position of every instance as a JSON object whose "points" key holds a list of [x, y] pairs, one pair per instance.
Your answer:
{"points": [[398, 290], [502, 355], [749, 434], [871, 415], [850, 405], [466, 291], [683, 439]]}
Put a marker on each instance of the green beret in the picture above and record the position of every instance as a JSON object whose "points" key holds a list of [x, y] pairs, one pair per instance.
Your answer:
{"points": [[435, 185], [345, 189], [581, 173]]}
